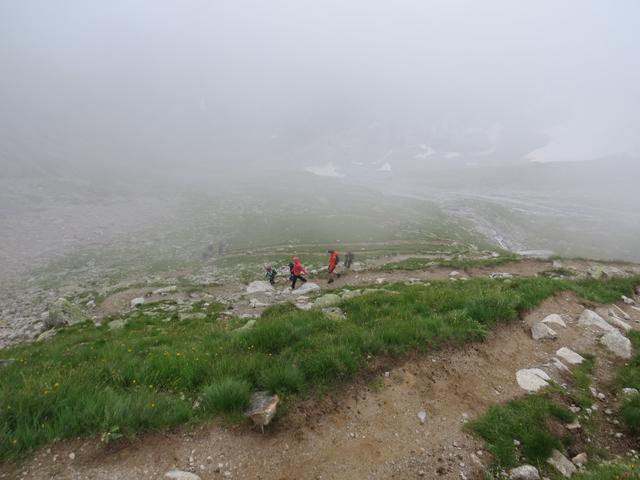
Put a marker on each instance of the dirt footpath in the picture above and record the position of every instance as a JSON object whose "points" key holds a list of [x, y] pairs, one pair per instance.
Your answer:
{"points": [[361, 432]]}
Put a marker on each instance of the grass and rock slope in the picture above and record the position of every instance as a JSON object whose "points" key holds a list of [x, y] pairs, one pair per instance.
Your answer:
{"points": [[149, 370]]}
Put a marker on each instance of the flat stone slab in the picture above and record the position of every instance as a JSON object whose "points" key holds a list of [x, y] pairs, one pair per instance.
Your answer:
{"points": [[554, 319], [259, 286], [180, 475], [589, 318], [532, 379], [570, 356], [262, 408]]}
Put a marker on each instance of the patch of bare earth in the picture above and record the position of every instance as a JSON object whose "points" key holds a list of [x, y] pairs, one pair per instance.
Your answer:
{"points": [[358, 432]]}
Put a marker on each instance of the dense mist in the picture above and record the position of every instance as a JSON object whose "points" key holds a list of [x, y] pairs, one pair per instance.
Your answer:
{"points": [[298, 84]]}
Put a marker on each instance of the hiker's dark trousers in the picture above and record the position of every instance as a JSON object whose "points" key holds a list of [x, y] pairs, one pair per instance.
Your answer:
{"points": [[295, 278]]}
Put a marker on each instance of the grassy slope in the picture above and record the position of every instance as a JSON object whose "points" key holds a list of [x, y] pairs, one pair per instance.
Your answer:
{"points": [[159, 372]]}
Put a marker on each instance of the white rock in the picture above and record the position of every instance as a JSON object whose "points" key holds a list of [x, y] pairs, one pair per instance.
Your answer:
{"points": [[165, 290], [255, 303], [630, 391], [554, 319], [524, 472], [570, 356], [589, 318], [259, 286], [532, 379], [137, 302], [541, 330], [628, 301], [422, 416], [180, 475], [562, 464], [617, 343]]}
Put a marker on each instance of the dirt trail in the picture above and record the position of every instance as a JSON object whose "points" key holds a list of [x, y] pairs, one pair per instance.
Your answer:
{"points": [[361, 433]]}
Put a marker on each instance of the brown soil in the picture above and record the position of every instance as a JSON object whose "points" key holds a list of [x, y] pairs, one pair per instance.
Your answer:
{"points": [[359, 432]]}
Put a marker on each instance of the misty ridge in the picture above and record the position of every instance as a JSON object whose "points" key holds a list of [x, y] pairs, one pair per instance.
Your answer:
{"points": [[518, 121]]}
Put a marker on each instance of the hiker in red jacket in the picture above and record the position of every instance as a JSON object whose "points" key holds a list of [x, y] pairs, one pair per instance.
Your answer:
{"points": [[333, 262], [296, 270]]}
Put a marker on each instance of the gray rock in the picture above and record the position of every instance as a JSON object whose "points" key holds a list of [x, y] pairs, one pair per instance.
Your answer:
{"points": [[259, 286], [628, 301], [165, 290], [618, 344], [524, 472], [628, 392], [247, 326], [46, 335], [193, 316], [262, 408], [116, 324], [570, 356], [349, 294], [422, 416], [580, 459], [562, 464], [180, 475], [532, 379], [617, 322], [540, 331], [327, 300], [589, 318], [63, 313], [554, 319], [136, 302], [605, 271], [334, 313], [501, 275]]}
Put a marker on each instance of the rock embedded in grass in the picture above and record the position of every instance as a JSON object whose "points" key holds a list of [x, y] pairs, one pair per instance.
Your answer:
{"points": [[524, 472], [136, 302], [532, 379], [259, 286], [327, 300], [561, 463]]}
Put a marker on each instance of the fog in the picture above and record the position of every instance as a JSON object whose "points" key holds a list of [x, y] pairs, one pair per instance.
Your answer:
{"points": [[293, 84], [113, 113]]}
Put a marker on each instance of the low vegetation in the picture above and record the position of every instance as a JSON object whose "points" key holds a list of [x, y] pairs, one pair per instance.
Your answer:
{"points": [[520, 429], [462, 263], [629, 377], [159, 372]]}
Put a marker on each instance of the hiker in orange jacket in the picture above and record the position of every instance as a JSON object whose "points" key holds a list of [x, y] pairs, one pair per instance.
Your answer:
{"points": [[333, 262], [297, 270]]}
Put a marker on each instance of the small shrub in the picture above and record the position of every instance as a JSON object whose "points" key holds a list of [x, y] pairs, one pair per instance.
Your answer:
{"points": [[281, 378], [227, 395]]}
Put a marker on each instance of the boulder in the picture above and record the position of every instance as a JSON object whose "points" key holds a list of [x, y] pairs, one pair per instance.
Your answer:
{"points": [[334, 313], [524, 472], [180, 475], [629, 392], [589, 318], [63, 313], [628, 301], [541, 330], [136, 302], [532, 379], [580, 459], [570, 356], [554, 319], [618, 344], [501, 275], [116, 324], [349, 294], [259, 286], [327, 300], [600, 272], [262, 408], [562, 464]]}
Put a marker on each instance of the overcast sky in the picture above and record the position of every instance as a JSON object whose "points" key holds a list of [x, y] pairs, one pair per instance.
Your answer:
{"points": [[306, 82]]}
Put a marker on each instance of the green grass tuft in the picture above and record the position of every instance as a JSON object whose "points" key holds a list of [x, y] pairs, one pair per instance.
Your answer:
{"points": [[227, 395]]}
